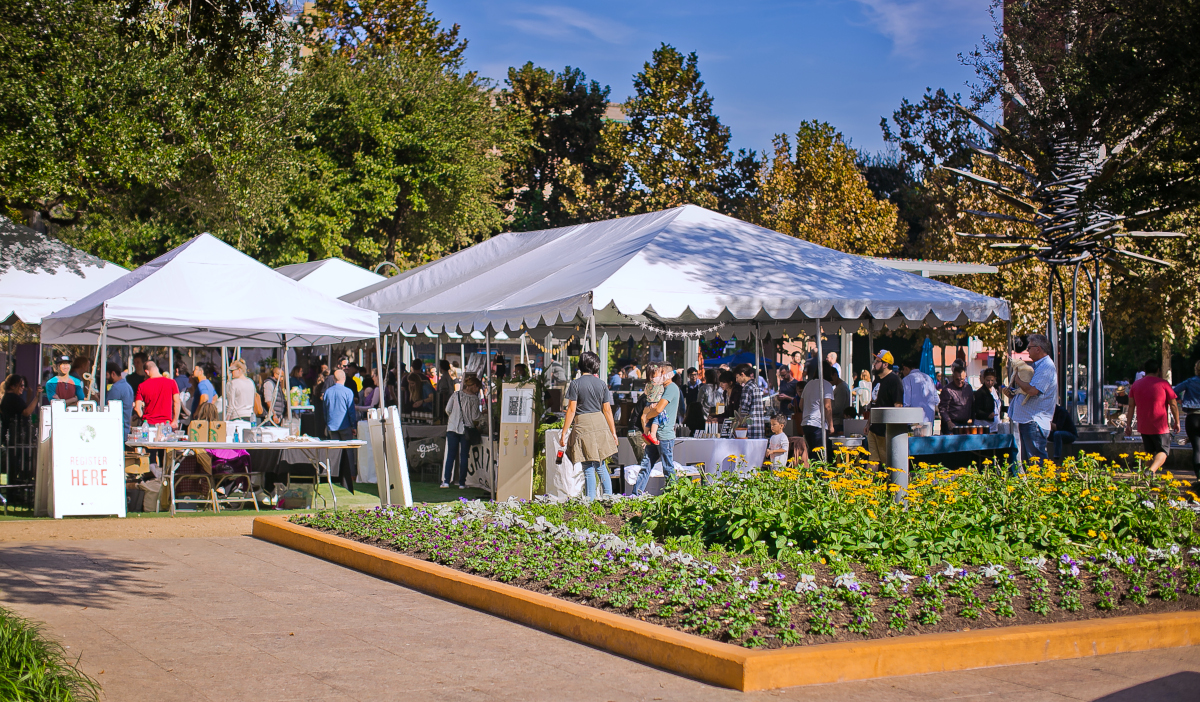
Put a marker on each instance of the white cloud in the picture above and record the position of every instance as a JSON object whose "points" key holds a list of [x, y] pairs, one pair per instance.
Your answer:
{"points": [[911, 24], [563, 23]]}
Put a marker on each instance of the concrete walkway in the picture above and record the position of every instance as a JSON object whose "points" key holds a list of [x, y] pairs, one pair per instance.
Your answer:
{"points": [[233, 618]]}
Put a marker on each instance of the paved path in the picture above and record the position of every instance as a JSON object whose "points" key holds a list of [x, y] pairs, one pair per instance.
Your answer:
{"points": [[238, 619]]}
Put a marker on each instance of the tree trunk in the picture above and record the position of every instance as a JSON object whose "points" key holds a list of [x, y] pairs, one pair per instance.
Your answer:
{"points": [[1166, 358]]}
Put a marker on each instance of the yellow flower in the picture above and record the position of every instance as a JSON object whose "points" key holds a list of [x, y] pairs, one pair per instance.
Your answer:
{"points": [[1091, 532], [1041, 516], [1103, 536], [870, 514], [1011, 488]]}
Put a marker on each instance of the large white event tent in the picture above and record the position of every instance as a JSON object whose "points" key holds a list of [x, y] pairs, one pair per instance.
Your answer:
{"points": [[207, 293], [686, 268], [40, 274], [684, 271], [331, 276]]}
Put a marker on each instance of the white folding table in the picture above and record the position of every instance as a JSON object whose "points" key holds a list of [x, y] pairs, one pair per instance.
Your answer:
{"points": [[317, 451]]}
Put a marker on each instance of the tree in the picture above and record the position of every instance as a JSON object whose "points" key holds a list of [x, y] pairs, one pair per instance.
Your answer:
{"points": [[120, 135], [403, 159], [676, 151], [563, 157], [817, 193], [351, 27]]}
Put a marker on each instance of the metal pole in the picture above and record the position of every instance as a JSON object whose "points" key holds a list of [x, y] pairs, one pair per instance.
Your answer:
{"points": [[488, 404], [379, 389], [287, 382], [224, 383], [101, 371], [1074, 399], [399, 380], [592, 336], [820, 389], [757, 360]]}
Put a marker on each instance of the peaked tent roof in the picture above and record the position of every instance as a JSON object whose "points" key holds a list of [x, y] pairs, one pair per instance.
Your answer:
{"points": [[686, 266], [207, 293], [332, 276], [40, 274]]}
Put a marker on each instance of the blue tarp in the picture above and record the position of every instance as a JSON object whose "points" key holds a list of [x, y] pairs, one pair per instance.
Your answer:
{"points": [[740, 358]]}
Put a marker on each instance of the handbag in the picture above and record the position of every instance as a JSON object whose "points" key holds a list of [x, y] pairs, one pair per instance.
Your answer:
{"points": [[474, 437]]}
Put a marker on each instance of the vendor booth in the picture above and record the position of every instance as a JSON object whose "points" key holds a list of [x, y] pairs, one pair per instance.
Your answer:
{"points": [[205, 293], [686, 272]]}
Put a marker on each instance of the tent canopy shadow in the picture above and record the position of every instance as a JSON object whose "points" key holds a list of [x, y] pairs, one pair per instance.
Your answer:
{"points": [[1177, 687], [52, 574]]}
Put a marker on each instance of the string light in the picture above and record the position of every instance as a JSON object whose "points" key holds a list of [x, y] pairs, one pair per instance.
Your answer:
{"points": [[672, 334]]}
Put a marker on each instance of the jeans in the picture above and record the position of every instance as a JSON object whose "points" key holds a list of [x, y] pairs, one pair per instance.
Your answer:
{"points": [[593, 472], [812, 437], [1033, 441], [653, 455], [1059, 438], [458, 447]]}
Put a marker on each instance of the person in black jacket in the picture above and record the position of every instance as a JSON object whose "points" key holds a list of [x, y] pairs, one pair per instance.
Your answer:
{"points": [[1062, 431], [987, 407]]}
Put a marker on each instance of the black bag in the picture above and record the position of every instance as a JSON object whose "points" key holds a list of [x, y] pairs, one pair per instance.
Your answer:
{"points": [[474, 436]]}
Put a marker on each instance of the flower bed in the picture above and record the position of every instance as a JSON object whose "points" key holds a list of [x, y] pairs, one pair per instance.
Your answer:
{"points": [[724, 560]]}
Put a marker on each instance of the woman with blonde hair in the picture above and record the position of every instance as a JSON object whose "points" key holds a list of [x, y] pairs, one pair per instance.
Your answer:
{"points": [[862, 391], [241, 397]]}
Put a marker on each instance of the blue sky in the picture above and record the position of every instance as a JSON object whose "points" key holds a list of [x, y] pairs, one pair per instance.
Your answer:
{"points": [[768, 65]]}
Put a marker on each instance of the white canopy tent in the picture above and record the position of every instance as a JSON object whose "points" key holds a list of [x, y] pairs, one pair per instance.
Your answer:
{"points": [[683, 268], [331, 276], [207, 293], [40, 274]]}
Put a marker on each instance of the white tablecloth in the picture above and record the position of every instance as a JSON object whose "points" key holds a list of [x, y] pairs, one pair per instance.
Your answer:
{"points": [[715, 453]]}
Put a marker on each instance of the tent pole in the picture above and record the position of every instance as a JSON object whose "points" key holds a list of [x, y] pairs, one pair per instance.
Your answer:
{"points": [[1074, 398], [821, 390], [757, 360], [287, 382], [101, 369], [170, 363], [871, 342], [382, 380], [224, 383], [399, 381], [488, 404], [592, 335]]}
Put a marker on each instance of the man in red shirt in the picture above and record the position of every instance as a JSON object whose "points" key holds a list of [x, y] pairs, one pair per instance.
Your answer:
{"points": [[157, 398], [1149, 400]]}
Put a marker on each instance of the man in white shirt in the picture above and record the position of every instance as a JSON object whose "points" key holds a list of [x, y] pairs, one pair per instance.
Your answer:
{"points": [[919, 389], [816, 401]]}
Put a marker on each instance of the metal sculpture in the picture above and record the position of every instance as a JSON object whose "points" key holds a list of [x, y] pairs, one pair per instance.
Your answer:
{"points": [[1058, 200]]}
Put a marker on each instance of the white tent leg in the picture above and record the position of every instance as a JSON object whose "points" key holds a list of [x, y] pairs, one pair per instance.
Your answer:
{"points": [[821, 389], [101, 369], [488, 405]]}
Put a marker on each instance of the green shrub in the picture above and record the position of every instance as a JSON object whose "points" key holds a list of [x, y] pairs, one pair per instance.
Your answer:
{"points": [[35, 669]]}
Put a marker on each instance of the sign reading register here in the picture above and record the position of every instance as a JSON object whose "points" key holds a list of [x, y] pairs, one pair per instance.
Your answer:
{"points": [[88, 458]]}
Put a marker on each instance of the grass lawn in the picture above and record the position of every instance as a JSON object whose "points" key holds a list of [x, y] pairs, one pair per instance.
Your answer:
{"points": [[365, 495]]}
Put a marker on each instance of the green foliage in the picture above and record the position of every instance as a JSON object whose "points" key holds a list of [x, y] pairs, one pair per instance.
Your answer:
{"points": [[401, 161], [960, 516], [34, 668], [356, 28], [124, 138], [675, 150], [563, 158], [817, 193]]}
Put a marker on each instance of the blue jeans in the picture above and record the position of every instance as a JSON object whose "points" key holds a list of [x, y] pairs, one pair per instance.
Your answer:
{"points": [[593, 472], [457, 446], [1060, 438], [1033, 441], [653, 455]]}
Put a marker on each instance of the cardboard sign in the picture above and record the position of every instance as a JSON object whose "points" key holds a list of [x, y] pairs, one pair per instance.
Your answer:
{"points": [[88, 460], [216, 432], [515, 465]]}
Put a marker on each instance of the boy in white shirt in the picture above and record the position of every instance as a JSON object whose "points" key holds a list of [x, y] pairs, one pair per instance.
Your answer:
{"points": [[777, 445]]}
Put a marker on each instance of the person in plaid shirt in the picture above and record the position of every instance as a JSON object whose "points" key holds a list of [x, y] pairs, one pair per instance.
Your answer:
{"points": [[752, 402]]}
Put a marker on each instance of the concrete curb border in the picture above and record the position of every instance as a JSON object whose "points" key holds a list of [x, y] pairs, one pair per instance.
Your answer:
{"points": [[735, 667]]}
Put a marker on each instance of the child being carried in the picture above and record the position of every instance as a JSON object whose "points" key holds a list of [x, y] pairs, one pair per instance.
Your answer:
{"points": [[657, 385]]}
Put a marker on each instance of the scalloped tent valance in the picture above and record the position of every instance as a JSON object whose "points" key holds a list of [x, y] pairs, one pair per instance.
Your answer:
{"points": [[686, 267]]}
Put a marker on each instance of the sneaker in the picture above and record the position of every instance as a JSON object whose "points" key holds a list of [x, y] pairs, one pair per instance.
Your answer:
{"points": [[650, 439], [462, 487], [444, 485]]}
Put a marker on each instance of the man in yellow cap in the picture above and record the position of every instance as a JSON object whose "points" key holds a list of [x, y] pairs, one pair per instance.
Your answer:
{"points": [[887, 391]]}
